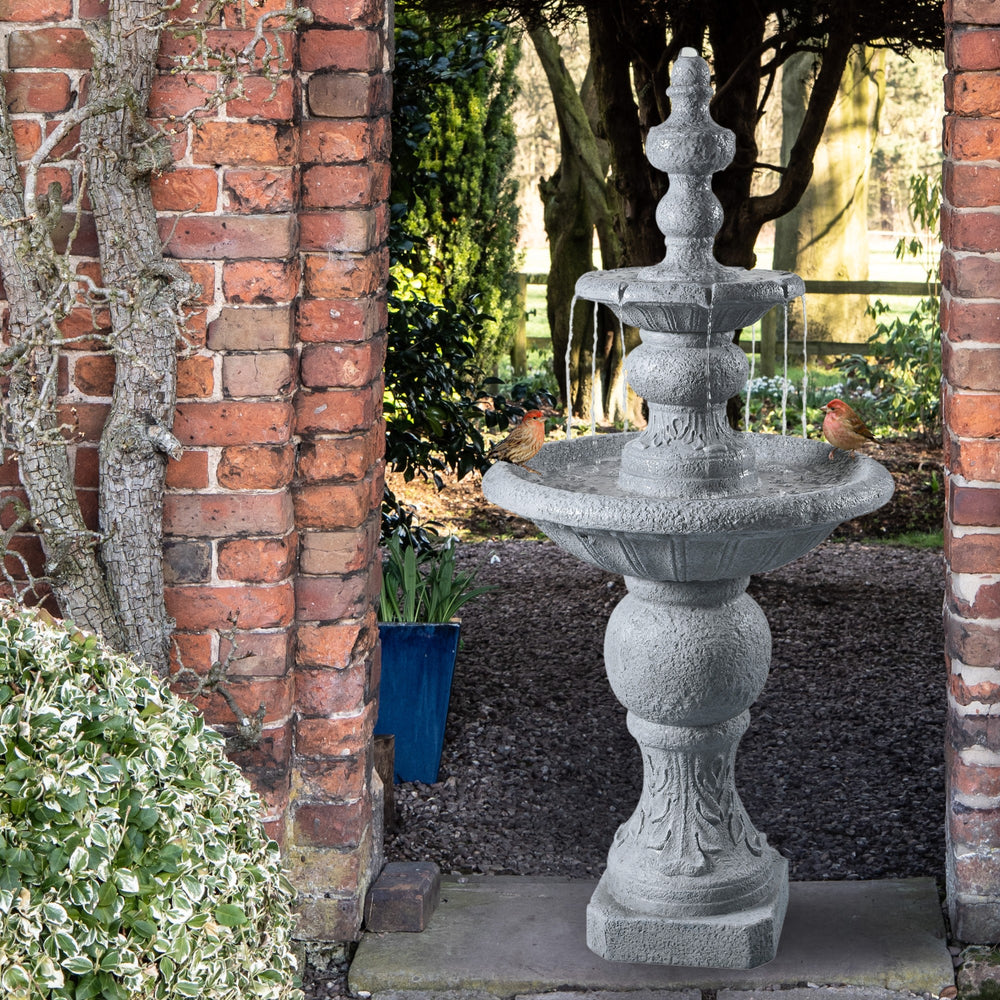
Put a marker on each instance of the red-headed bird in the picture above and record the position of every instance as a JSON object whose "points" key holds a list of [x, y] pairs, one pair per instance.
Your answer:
{"points": [[843, 428], [523, 443]]}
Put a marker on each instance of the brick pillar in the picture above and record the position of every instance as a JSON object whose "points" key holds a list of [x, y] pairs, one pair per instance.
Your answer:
{"points": [[341, 331], [970, 226], [277, 207]]}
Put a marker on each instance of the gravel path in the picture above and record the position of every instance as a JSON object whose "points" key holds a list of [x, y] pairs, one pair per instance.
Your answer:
{"points": [[842, 767]]}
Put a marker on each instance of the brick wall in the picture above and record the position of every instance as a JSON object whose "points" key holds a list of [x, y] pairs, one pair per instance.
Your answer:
{"points": [[277, 208], [970, 226]]}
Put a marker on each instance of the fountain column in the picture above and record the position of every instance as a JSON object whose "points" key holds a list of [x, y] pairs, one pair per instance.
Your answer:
{"points": [[689, 880]]}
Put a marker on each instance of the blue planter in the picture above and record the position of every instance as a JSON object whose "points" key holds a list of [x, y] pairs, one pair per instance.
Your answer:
{"points": [[418, 662]]}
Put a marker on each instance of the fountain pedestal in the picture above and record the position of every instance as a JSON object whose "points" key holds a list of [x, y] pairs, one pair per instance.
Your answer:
{"points": [[689, 880], [686, 511]]}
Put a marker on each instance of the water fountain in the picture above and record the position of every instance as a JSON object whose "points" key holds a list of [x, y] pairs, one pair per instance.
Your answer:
{"points": [[686, 510]]}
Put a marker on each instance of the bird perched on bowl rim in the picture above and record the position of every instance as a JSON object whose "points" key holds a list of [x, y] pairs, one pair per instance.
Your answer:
{"points": [[523, 443], [843, 428]]}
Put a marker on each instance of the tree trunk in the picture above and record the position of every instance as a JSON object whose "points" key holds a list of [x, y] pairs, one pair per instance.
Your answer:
{"points": [[826, 235], [40, 292], [576, 203], [122, 151]]}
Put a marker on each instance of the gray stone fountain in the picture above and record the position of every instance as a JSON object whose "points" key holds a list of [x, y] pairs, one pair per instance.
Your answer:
{"points": [[687, 510]]}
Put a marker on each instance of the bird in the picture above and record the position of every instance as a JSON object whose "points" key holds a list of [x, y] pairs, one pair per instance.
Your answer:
{"points": [[843, 428], [523, 443]]}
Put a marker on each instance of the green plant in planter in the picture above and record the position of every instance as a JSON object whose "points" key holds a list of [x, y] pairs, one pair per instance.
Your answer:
{"points": [[133, 865], [424, 586]]}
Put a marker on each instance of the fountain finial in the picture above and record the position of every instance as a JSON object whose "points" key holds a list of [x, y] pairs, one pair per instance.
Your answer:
{"points": [[689, 146]]}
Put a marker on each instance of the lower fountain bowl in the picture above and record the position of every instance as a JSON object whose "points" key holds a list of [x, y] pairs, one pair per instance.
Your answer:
{"points": [[802, 495]]}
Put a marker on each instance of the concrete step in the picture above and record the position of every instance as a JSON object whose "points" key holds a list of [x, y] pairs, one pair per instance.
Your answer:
{"points": [[519, 936]]}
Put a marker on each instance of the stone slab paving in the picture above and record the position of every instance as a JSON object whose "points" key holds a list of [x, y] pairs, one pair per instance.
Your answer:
{"points": [[517, 935]]}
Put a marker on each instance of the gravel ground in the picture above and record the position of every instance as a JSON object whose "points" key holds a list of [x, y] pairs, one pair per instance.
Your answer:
{"points": [[842, 767]]}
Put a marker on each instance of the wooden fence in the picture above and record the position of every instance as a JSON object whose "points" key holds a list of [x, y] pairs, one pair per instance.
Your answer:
{"points": [[766, 345]]}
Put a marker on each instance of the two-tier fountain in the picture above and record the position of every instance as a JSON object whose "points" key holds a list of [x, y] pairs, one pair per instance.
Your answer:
{"points": [[686, 510]]}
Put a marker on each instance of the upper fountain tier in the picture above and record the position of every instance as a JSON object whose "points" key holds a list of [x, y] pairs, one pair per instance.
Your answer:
{"points": [[689, 290]]}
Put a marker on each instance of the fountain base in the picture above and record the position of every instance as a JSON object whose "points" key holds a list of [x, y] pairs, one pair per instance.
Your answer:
{"points": [[740, 940]]}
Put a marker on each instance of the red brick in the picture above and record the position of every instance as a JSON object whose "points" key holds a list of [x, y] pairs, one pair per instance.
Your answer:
{"points": [[24, 553], [233, 423], [327, 598], [226, 41], [346, 95], [266, 374], [94, 374], [346, 186], [258, 329], [971, 367], [195, 376], [351, 277], [260, 282], [333, 552], [343, 365], [82, 420], [186, 189], [985, 603], [190, 472], [974, 779], [342, 141], [274, 693], [229, 237], [971, 138], [219, 607], [966, 694], [271, 755], [187, 561], [971, 641], [971, 11], [337, 411], [260, 191], [85, 465], [27, 137], [347, 50], [192, 650], [964, 320], [347, 12], [200, 515], [35, 10], [334, 737], [175, 96], [264, 100], [41, 93], [259, 654], [49, 48], [343, 778], [341, 457], [256, 560], [256, 468], [203, 275], [338, 320], [972, 505], [326, 506], [344, 230], [330, 824], [333, 645], [326, 692], [244, 15], [973, 459], [970, 414], [973, 552], [974, 93], [974, 49], [244, 143], [971, 185], [975, 230]]}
